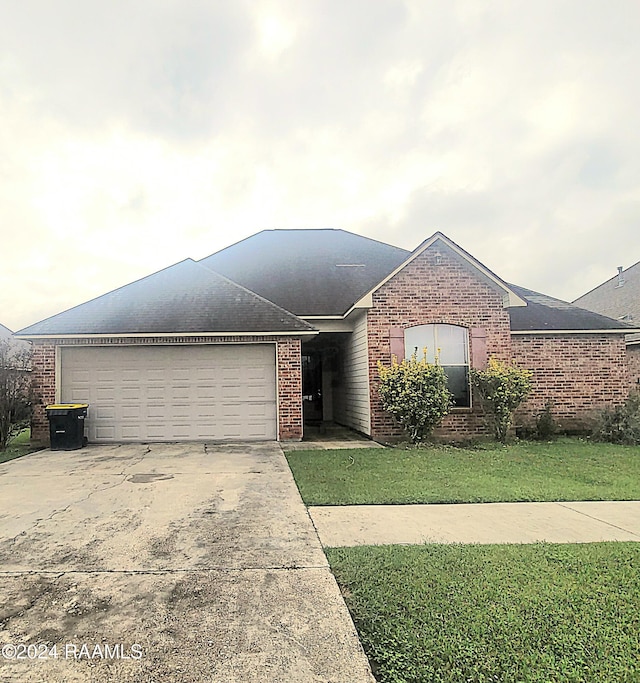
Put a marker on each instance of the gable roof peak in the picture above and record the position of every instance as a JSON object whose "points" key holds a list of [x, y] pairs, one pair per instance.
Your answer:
{"points": [[511, 298]]}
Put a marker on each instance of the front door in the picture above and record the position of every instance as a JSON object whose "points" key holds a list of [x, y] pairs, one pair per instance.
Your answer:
{"points": [[312, 386]]}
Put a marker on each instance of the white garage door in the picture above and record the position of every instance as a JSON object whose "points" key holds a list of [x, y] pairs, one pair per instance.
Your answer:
{"points": [[173, 393]]}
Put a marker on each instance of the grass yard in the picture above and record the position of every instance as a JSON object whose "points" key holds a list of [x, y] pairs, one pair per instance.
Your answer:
{"points": [[567, 469], [517, 613], [18, 447]]}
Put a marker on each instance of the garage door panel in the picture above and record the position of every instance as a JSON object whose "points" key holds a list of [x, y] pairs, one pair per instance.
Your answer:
{"points": [[105, 433], [174, 392], [132, 413], [210, 393], [158, 412], [178, 411], [103, 412], [182, 431], [180, 393], [153, 392]]}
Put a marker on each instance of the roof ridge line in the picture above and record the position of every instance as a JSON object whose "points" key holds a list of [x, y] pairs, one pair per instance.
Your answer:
{"points": [[283, 230]]}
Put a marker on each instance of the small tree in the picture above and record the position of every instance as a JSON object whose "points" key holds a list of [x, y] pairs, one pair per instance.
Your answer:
{"points": [[502, 388], [415, 392], [15, 390]]}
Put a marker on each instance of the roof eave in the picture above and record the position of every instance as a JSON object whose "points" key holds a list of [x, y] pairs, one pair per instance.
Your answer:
{"points": [[586, 331], [168, 335]]}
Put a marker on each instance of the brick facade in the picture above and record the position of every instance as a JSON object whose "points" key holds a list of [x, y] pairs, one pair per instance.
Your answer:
{"points": [[633, 365], [289, 376], [44, 387], [579, 373], [289, 389], [436, 287]]}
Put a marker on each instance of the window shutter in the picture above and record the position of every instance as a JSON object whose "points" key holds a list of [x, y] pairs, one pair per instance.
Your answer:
{"points": [[396, 343], [478, 348]]}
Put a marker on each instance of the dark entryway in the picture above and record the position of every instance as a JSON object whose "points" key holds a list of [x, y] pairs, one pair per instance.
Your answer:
{"points": [[320, 376], [312, 386]]}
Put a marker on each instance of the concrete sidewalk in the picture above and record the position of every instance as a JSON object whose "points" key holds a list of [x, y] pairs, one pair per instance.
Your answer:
{"points": [[579, 522]]}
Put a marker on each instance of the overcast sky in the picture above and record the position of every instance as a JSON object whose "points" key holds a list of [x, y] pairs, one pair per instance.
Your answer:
{"points": [[136, 133]]}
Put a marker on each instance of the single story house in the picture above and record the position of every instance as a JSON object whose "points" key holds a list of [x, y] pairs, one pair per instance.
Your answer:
{"points": [[287, 327], [619, 298]]}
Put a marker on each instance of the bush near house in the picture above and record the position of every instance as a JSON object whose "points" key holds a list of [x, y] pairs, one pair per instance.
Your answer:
{"points": [[620, 424], [415, 392], [502, 388]]}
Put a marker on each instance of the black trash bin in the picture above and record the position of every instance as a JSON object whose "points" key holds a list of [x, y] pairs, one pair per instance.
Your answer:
{"points": [[66, 425]]}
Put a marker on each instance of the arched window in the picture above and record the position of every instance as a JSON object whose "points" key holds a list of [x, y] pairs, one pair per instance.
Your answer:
{"points": [[450, 344]]}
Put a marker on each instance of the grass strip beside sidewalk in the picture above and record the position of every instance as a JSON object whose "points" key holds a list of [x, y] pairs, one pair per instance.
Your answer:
{"points": [[532, 613]]}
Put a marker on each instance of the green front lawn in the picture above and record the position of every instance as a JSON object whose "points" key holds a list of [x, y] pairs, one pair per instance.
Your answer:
{"points": [[530, 613], [18, 447], [568, 469]]}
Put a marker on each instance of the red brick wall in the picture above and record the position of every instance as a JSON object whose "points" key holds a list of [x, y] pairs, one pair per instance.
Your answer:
{"points": [[44, 384], [633, 365], [424, 292], [289, 377], [289, 389], [581, 374]]}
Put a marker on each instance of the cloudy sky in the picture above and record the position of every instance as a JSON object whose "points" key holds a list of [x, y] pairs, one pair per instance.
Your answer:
{"points": [[136, 133]]}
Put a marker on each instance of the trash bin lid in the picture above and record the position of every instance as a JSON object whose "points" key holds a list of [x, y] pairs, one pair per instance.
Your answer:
{"points": [[66, 406]]}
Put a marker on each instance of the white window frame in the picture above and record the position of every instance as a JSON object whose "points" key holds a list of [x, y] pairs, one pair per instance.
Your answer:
{"points": [[410, 350]]}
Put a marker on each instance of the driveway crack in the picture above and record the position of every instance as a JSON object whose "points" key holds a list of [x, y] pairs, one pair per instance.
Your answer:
{"points": [[123, 474]]}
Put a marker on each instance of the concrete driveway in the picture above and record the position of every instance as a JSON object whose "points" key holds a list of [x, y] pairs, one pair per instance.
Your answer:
{"points": [[168, 562]]}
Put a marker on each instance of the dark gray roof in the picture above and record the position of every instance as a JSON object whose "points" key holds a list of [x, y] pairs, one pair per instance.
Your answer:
{"points": [[308, 272], [543, 313], [184, 298]]}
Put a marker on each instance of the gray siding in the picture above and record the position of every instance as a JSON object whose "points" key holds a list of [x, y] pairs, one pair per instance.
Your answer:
{"points": [[351, 396]]}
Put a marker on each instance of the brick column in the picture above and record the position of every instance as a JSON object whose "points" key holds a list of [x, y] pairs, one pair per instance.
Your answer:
{"points": [[289, 390], [44, 389]]}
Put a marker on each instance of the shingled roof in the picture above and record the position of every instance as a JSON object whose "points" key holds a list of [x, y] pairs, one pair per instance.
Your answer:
{"points": [[618, 297], [544, 313], [308, 272], [185, 298]]}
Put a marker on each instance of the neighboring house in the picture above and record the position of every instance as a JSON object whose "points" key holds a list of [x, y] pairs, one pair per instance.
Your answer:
{"points": [[619, 297], [288, 326], [5, 333]]}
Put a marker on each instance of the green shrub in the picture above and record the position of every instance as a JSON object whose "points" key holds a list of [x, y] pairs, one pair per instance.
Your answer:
{"points": [[501, 388], [415, 392], [620, 424], [546, 425]]}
